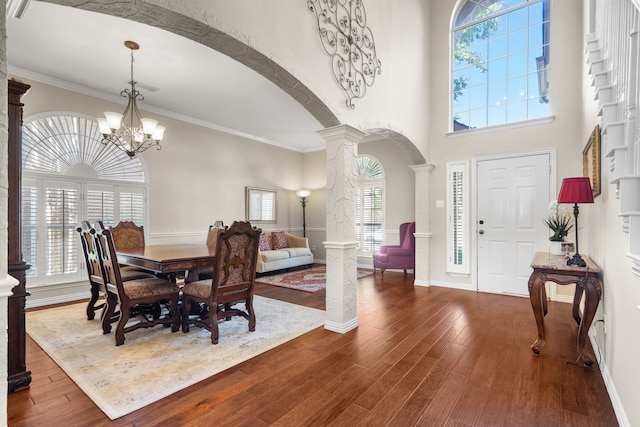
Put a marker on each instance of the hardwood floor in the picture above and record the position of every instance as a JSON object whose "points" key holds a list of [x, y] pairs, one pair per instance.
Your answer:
{"points": [[420, 356]]}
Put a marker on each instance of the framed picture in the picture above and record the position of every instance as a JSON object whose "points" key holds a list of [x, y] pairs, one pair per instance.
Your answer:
{"points": [[260, 204], [591, 161]]}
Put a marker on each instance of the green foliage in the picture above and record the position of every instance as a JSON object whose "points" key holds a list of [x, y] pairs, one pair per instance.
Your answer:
{"points": [[463, 52], [560, 225]]}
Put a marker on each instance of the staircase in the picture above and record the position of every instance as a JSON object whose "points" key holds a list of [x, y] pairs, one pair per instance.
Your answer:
{"points": [[612, 51]]}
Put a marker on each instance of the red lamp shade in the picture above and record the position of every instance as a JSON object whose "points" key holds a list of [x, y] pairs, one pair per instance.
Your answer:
{"points": [[576, 190]]}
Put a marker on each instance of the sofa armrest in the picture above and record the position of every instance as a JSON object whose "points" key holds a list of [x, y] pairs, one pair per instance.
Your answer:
{"points": [[296, 241]]}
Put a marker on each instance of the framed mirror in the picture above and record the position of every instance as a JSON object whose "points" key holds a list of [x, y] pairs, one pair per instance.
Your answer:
{"points": [[260, 204]]}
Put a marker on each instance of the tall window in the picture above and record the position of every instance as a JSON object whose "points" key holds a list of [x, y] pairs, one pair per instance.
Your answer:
{"points": [[370, 206], [70, 176], [500, 62], [457, 218]]}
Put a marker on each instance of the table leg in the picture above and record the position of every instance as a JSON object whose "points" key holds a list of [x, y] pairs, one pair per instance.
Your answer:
{"points": [[593, 292], [538, 304], [576, 303]]}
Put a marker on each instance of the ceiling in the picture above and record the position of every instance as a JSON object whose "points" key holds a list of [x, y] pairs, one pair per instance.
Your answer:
{"points": [[84, 51]]}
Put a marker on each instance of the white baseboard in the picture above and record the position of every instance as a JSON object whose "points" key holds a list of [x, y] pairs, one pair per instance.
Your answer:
{"points": [[341, 328], [608, 382]]}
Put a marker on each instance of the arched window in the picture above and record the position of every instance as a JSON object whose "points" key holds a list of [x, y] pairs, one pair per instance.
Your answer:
{"points": [[500, 62], [70, 176], [370, 206]]}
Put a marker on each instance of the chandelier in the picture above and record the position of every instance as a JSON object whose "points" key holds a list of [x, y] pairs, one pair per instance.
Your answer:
{"points": [[129, 131]]}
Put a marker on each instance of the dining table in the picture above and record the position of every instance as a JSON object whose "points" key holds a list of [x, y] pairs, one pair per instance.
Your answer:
{"points": [[169, 259]]}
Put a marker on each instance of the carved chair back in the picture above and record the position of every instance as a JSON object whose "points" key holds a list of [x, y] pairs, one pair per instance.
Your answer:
{"points": [[126, 234]]}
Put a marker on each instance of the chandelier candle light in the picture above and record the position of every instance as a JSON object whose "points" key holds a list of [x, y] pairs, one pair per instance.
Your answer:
{"points": [[136, 134], [576, 190]]}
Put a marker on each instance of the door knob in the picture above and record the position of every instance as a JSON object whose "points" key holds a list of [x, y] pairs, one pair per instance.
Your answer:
{"points": [[481, 231]]}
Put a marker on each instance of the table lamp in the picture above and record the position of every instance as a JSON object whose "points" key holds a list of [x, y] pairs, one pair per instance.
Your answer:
{"points": [[576, 190]]}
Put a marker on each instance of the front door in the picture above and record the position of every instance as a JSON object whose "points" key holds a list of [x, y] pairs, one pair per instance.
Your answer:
{"points": [[513, 198]]}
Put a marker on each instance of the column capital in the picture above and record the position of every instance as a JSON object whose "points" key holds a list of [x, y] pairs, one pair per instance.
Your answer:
{"points": [[342, 132], [424, 167]]}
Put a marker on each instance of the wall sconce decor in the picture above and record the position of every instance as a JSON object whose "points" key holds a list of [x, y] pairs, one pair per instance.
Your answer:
{"points": [[345, 36], [303, 194], [576, 190]]}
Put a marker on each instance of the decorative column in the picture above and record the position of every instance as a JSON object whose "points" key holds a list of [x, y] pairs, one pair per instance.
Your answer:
{"points": [[423, 223], [341, 244]]}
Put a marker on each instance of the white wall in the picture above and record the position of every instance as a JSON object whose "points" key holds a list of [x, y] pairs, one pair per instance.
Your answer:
{"points": [[287, 31], [617, 336], [563, 133]]}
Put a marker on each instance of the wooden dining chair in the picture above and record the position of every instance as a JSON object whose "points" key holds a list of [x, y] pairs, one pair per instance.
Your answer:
{"points": [[126, 235], [234, 274], [212, 238], [93, 270], [152, 291], [97, 289]]}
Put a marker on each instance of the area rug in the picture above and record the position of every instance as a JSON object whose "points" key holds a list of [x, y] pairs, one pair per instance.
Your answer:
{"points": [[309, 280], [151, 363]]}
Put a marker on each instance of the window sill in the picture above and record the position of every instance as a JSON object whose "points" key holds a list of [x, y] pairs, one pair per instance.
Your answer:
{"points": [[498, 128]]}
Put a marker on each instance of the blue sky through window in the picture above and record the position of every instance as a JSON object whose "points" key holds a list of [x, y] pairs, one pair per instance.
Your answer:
{"points": [[500, 62]]}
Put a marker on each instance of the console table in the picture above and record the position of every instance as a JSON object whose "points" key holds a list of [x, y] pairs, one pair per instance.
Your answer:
{"points": [[553, 268]]}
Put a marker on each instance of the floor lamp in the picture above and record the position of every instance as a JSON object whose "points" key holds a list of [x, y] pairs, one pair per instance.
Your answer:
{"points": [[303, 194], [576, 190]]}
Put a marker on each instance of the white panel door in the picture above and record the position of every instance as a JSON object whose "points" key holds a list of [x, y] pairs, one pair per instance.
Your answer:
{"points": [[513, 196]]}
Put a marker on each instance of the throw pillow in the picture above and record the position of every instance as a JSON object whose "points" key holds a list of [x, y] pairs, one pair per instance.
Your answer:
{"points": [[264, 244], [278, 240]]}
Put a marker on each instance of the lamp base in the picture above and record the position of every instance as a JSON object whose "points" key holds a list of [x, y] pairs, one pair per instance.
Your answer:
{"points": [[576, 260]]}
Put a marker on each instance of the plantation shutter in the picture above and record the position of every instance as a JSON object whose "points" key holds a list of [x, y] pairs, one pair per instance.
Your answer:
{"points": [[30, 225], [100, 205], [132, 207], [457, 217], [61, 219]]}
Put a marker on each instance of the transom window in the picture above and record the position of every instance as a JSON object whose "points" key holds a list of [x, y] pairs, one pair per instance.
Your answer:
{"points": [[500, 62], [70, 176], [369, 206]]}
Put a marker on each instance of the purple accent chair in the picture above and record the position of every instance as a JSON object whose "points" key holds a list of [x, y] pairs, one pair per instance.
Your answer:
{"points": [[402, 256]]}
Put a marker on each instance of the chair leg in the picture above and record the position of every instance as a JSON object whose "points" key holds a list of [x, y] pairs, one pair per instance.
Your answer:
{"points": [[108, 313], [186, 309], [252, 315], [124, 318], [91, 306], [213, 318], [173, 305]]}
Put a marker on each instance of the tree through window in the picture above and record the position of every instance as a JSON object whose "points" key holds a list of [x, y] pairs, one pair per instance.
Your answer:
{"points": [[500, 62]]}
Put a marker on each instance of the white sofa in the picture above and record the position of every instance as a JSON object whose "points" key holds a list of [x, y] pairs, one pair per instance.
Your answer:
{"points": [[296, 253]]}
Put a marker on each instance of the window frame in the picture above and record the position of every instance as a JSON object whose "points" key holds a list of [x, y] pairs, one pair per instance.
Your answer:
{"points": [[257, 213], [462, 267], [80, 162], [370, 183], [510, 106]]}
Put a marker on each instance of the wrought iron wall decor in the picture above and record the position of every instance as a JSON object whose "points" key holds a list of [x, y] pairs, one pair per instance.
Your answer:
{"points": [[342, 25]]}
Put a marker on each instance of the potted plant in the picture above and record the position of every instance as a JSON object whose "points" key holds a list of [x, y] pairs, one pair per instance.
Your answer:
{"points": [[559, 222]]}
